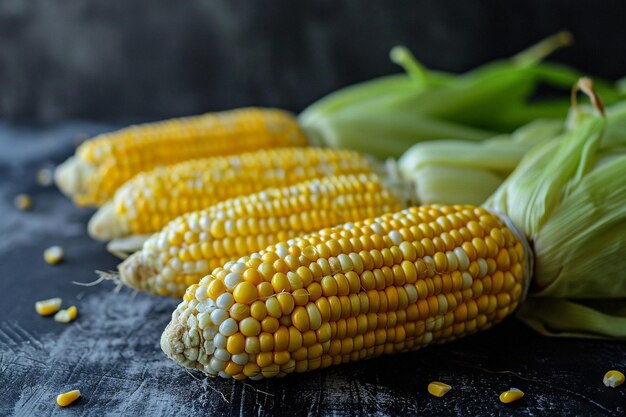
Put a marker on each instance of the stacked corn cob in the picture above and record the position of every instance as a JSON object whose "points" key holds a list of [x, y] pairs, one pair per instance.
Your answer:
{"points": [[193, 245], [394, 283], [147, 202], [105, 162]]}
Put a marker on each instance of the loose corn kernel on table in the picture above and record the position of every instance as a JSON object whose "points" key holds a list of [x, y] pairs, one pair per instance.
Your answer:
{"points": [[111, 351]]}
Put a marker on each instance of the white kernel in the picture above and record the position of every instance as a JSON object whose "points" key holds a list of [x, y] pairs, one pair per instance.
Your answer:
{"points": [[217, 365], [192, 322], [209, 333], [395, 237], [228, 327], [221, 354], [240, 358], [191, 354], [229, 226], [483, 268], [209, 347], [238, 267], [345, 262], [219, 340], [281, 251], [204, 320], [189, 267], [411, 293], [463, 259], [232, 280], [200, 293], [377, 228], [225, 301], [175, 264], [218, 316], [453, 263]]}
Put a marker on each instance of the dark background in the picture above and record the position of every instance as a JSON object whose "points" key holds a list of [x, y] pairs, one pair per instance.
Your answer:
{"points": [[121, 60], [112, 61]]}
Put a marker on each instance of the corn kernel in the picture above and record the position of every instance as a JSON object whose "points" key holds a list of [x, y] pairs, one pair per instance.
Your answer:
{"points": [[438, 389], [48, 307], [53, 255], [67, 315], [511, 395], [68, 398], [613, 379], [23, 202], [44, 177]]}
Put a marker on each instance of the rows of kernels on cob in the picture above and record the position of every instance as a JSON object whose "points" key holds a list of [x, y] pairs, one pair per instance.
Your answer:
{"points": [[390, 284], [104, 163], [151, 199], [192, 245]]}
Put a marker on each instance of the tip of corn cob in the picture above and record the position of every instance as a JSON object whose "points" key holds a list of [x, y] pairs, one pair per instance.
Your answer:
{"points": [[104, 224], [134, 272], [172, 344], [71, 176]]}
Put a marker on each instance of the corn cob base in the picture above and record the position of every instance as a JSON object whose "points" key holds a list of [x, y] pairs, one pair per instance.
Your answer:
{"points": [[396, 283]]}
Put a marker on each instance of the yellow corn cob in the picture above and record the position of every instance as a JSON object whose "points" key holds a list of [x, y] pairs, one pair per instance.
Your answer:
{"points": [[105, 162], [193, 245], [390, 284], [150, 200]]}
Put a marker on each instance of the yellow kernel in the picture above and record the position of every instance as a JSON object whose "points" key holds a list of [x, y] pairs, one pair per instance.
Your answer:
{"points": [[300, 297], [67, 315], [281, 339], [258, 310], [280, 282], [245, 292], [239, 311], [286, 302], [252, 276], [613, 379], [250, 326], [23, 202], [269, 324], [300, 319], [53, 255], [215, 288], [438, 389], [511, 395], [273, 307], [236, 343], [48, 307], [67, 398]]}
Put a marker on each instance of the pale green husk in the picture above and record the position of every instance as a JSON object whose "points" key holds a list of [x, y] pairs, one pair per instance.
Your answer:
{"points": [[569, 197], [464, 172]]}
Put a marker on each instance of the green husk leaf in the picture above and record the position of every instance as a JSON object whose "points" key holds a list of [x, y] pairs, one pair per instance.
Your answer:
{"points": [[569, 198], [464, 172]]}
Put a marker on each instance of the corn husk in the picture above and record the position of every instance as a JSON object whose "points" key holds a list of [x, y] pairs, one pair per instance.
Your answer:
{"points": [[464, 172], [569, 197]]}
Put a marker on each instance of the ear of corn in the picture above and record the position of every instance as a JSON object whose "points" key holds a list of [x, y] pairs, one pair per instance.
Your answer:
{"points": [[192, 245], [105, 162], [147, 202], [390, 284]]}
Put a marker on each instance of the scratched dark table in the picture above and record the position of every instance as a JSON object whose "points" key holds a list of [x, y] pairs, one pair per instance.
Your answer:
{"points": [[111, 352]]}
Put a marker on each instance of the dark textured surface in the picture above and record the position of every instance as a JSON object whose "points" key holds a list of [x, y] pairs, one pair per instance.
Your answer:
{"points": [[149, 59], [111, 352]]}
